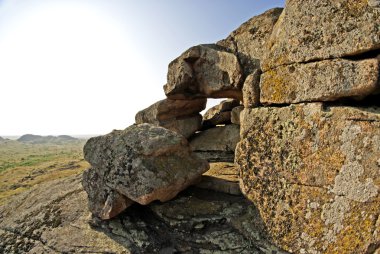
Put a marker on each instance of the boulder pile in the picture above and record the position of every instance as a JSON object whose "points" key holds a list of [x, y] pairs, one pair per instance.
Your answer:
{"points": [[302, 126]]}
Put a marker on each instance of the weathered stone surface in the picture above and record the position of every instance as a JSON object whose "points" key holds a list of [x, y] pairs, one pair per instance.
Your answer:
{"points": [[144, 163], [53, 218], [204, 71], [168, 109], [349, 28], [248, 41], [181, 116], [235, 114], [216, 144], [313, 171], [104, 202], [326, 80], [221, 177], [219, 114], [186, 126], [251, 90]]}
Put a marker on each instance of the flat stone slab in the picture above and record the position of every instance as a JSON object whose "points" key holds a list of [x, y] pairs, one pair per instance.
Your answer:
{"points": [[221, 177]]}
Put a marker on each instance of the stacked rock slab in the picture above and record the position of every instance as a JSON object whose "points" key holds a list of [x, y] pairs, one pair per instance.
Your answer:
{"points": [[312, 167], [219, 114], [181, 116], [140, 164], [216, 144], [207, 71]]}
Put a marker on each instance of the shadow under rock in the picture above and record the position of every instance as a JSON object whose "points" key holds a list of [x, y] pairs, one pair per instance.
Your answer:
{"points": [[197, 220]]}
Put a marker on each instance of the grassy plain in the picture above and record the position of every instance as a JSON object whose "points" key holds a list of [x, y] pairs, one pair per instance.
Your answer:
{"points": [[24, 165]]}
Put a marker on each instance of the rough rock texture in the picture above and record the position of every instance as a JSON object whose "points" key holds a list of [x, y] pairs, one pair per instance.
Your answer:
{"points": [[170, 109], [248, 41], [326, 80], [181, 116], [221, 177], [143, 163], [53, 218], [105, 202], [251, 90], [349, 28], [216, 144], [219, 114], [235, 114], [313, 171], [204, 71]]}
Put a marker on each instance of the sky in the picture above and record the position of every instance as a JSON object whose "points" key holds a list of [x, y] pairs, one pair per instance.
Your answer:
{"points": [[88, 66]]}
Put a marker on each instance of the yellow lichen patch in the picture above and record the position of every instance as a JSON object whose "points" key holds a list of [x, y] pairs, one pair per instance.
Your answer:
{"points": [[356, 7], [358, 227], [274, 84], [323, 164]]}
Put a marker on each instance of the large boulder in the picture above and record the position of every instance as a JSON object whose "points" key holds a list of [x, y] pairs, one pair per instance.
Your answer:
{"points": [[204, 71], [349, 28], [313, 171], [142, 163], [326, 80], [181, 116], [247, 41], [216, 144]]}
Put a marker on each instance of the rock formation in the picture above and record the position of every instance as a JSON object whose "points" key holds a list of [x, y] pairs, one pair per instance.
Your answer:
{"points": [[308, 151], [313, 168]]}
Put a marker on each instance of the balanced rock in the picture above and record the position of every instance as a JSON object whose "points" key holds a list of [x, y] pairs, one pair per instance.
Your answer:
{"points": [[326, 80], [216, 144], [204, 71], [219, 114], [142, 163], [349, 28], [247, 42], [181, 116], [313, 171]]}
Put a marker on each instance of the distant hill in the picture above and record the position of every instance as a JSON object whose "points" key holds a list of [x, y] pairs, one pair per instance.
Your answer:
{"points": [[2, 139], [37, 139]]}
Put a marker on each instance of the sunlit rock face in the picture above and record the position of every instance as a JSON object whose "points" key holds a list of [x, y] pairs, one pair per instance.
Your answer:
{"points": [[316, 30], [309, 141], [204, 71], [181, 116], [313, 171]]}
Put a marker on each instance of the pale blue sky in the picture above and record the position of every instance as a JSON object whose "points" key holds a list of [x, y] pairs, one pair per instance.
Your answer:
{"points": [[87, 66]]}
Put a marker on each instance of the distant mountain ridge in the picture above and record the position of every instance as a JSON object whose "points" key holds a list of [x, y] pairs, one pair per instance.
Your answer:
{"points": [[37, 139]]}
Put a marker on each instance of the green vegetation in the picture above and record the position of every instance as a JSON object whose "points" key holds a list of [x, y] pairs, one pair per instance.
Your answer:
{"points": [[24, 165]]}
